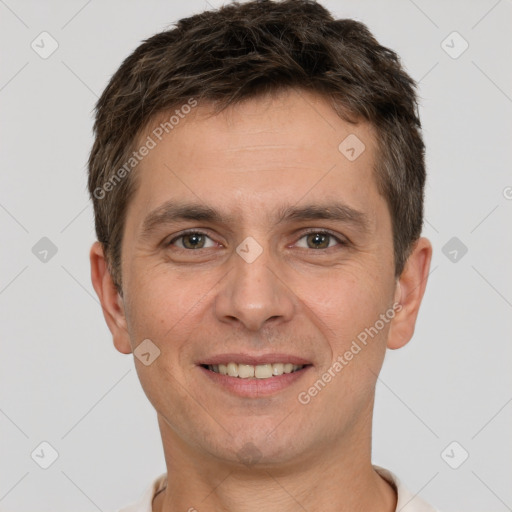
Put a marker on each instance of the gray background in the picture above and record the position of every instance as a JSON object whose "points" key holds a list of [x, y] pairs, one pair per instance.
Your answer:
{"points": [[61, 380]]}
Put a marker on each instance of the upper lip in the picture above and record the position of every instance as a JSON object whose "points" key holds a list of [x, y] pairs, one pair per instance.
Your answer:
{"points": [[254, 359]]}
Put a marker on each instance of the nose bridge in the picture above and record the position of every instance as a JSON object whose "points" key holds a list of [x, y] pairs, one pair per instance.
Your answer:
{"points": [[252, 293]]}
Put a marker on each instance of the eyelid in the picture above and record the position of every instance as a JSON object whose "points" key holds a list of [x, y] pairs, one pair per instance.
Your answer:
{"points": [[198, 231], [340, 239]]}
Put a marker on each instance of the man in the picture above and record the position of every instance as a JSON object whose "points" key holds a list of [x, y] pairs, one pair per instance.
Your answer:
{"points": [[257, 178]]}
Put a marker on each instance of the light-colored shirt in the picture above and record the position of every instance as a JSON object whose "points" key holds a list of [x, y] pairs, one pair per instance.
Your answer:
{"points": [[407, 502]]}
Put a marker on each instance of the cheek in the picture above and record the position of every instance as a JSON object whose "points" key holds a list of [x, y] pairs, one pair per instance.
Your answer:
{"points": [[167, 310], [351, 302], [162, 305], [350, 309]]}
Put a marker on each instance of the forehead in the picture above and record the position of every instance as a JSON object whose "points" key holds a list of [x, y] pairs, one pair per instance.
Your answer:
{"points": [[262, 153]]}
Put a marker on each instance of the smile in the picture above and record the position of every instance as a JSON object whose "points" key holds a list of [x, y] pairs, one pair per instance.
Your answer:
{"points": [[248, 371], [254, 375]]}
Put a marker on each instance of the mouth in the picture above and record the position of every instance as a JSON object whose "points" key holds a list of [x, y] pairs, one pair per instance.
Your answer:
{"points": [[249, 371], [254, 377]]}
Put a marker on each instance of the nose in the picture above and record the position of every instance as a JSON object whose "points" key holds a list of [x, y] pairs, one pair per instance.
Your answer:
{"points": [[254, 295]]}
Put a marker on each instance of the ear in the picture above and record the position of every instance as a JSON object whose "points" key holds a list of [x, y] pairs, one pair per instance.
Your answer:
{"points": [[111, 301], [409, 292]]}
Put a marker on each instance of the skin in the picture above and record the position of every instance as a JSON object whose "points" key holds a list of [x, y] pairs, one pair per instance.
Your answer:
{"points": [[295, 298]]}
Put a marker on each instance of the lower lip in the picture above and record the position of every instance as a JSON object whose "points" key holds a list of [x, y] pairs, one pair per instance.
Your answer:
{"points": [[253, 387]]}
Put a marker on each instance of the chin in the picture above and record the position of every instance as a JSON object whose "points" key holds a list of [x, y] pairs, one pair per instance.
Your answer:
{"points": [[253, 448]]}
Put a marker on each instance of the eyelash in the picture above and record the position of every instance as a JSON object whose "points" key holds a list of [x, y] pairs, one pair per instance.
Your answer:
{"points": [[340, 241]]}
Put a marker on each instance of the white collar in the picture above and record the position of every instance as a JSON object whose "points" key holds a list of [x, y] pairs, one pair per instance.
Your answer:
{"points": [[407, 502]]}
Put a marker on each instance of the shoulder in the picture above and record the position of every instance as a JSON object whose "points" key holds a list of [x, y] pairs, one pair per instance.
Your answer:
{"points": [[407, 502]]}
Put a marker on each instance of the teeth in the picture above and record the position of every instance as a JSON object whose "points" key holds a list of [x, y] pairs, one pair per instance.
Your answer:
{"points": [[260, 371], [245, 371], [233, 370], [277, 369], [263, 371]]}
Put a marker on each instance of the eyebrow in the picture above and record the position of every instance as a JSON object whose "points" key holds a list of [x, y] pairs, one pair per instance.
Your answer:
{"points": [[171, 212]]}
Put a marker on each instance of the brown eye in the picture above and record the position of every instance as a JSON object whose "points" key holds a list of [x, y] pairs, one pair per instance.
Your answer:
{"points": [[318, 240], [191, 241]]}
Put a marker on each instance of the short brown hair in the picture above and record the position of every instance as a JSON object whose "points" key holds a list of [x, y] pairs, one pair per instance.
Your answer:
{"points": [[244, 50]]}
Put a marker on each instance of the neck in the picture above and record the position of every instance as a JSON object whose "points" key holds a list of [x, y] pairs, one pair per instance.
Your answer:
{"points": [[337, 478]]}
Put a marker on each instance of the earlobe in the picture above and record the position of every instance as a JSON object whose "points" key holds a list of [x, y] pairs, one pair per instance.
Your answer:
{"points": [[111, 301], [409, 293]]}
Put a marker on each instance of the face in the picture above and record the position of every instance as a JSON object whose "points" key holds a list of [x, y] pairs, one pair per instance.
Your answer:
{"points": [[254, 246]]}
